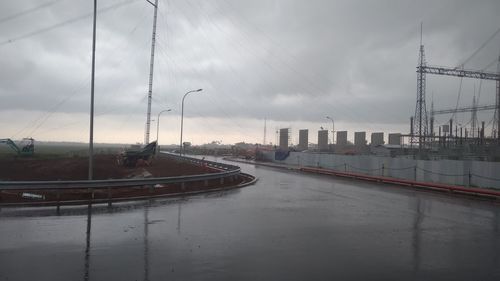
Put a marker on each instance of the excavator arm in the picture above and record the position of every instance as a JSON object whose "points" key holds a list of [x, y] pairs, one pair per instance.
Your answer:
{"points": [[27, 149], [11, 144]]}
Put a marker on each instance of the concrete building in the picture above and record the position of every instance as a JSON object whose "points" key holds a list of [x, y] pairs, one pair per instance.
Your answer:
{"points": [[377, 139], [395, 139], [303, 139], [446, 128], [323, 140], [284, 136], [359, 139], [341, 138]]}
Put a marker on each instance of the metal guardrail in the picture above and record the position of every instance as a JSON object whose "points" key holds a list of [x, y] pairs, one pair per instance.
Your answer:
{"points": [[225, 171]]}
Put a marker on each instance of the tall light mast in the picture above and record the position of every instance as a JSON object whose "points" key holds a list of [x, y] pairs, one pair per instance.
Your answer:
{"points": [[151, 67]]}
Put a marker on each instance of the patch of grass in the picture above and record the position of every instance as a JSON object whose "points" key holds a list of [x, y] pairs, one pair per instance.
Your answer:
{"points": [[47, 151]]}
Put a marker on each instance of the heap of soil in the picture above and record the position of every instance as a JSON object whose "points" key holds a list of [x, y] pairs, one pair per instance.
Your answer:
{"points": [[105, 167]]}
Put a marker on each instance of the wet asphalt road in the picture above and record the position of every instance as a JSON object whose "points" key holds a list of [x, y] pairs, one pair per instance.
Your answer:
{"points": [[288, 226]]}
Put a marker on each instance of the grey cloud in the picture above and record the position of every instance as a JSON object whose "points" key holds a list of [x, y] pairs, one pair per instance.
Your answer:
{"points": [[284, 60]]}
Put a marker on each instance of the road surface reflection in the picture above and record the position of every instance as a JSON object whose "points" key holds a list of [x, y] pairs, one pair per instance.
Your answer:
{"points": [[289, 226]]}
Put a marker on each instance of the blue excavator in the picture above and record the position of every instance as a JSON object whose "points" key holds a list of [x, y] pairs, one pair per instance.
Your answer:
{"points": [[26, 149]]}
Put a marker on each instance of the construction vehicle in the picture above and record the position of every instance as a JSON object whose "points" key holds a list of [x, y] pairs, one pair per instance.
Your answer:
{"points": [[132, 157], [27, 148]]}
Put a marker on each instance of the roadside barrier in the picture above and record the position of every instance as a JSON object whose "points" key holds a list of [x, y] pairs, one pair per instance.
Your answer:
{"points": [[428, 185], [225, 173], [383, 168], [349, 172]]}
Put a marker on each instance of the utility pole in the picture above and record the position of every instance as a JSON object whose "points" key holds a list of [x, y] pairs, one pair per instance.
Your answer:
{"points": [[496, 121], [91, 134], [151, 67], [265, 130], [474, 114], [431, 123]]}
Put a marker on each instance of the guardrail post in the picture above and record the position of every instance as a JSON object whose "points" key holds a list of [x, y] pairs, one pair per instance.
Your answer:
{"points": [[345, 167], [221, 180], [383, 168], [470, 178], [183, 186], [58, 196], [415, 173], [205, 183], [91, 195], [109, 196]]}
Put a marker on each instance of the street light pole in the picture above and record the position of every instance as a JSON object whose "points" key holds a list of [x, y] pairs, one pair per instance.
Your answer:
{"points": [[158, 123], [182, 117], [333, 128], [91, 133]]}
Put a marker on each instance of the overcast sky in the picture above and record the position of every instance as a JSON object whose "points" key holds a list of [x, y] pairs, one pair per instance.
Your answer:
{"points": [[290, 62]]}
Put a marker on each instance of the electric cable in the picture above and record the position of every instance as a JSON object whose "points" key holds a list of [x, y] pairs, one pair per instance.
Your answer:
{"points": [[64, 23]]}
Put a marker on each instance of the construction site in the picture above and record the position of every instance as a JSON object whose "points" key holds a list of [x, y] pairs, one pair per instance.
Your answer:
{"points": [[133, 173]]}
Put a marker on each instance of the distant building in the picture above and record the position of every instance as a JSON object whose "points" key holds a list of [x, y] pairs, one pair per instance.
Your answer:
{"points": [[323, 140], [395, 139], [359, 139], [303, 139], [284, 135], [341, 138], [377, 139]]}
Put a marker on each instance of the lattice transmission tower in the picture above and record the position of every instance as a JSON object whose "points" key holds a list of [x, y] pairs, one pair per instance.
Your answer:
{"points": [[420, 120]]}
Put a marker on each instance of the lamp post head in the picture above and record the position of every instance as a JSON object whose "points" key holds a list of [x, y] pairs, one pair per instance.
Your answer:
{"points": [[165, 110], [192, 91]]}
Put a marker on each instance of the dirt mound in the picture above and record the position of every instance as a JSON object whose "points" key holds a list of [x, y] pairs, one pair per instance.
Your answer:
{"points": [[105, 167]]}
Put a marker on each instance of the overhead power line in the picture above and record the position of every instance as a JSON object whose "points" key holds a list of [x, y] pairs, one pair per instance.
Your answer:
{"points": [[479, 49], [63, 23], [27, 11]]}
